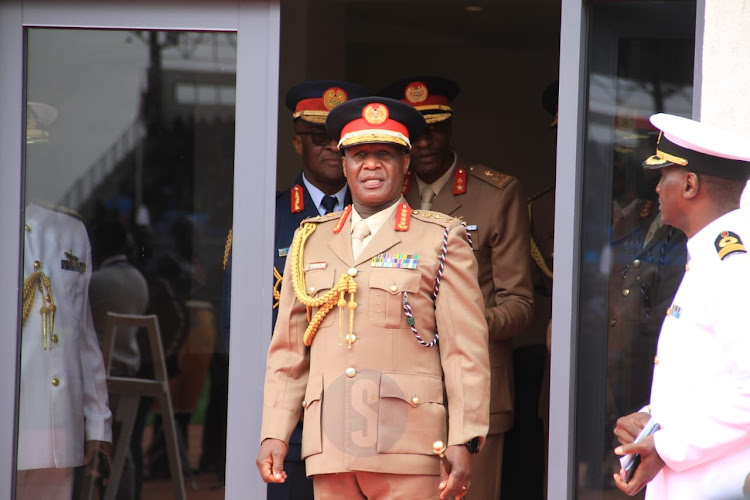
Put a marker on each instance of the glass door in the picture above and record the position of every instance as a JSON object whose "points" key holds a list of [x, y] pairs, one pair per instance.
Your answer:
{"points": [[640, 62]]}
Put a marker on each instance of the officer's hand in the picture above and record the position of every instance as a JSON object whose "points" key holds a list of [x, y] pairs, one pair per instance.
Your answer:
{"points": [[629, 426], [93, 467], [651, 464], [270, 460], [455, 472]]}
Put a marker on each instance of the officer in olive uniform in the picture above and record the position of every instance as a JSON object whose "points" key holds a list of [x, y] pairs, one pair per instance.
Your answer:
{"points": [[493, 207], [391, 410]]}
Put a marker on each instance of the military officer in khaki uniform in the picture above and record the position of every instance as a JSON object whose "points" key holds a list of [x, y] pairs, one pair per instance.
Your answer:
{"points": [[381, 341], [493, 207]]}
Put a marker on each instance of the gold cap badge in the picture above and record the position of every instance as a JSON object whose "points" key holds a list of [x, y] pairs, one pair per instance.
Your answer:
{"points": [[333, 97], [375, 113]]}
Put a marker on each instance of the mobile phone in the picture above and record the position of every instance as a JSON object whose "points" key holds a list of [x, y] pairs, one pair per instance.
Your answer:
{"points": [[630, 463]]}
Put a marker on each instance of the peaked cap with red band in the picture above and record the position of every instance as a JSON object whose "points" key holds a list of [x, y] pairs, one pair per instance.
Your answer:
{"points": [[700, 148], [431, 95], [312, 101], [374, 120]]}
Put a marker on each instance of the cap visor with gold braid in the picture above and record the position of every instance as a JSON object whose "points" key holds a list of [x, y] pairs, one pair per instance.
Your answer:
{"points": [[430, 95], [312, 101], [700, 148], [374, 120]]}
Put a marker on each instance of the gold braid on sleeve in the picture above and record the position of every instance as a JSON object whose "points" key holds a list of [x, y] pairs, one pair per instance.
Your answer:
{"points": [[536, 254], [39, 280], [276, 285], [326, 302]]}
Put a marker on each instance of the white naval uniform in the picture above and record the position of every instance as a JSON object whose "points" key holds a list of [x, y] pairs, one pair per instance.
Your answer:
{"points": [[63, 396], [701, 385]]}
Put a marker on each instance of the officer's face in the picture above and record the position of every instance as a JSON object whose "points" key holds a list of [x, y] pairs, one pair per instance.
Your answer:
{"points": [[671, 189], [431, 153], [320, 156], [375, 173]]}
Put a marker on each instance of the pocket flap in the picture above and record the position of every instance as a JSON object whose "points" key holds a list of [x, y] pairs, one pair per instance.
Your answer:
{"points": [[314, 391], [319, 279], [395, 280], [413, 388]]}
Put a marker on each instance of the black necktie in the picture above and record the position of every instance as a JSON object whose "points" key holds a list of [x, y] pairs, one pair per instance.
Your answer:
{"points": [[328, 204]]}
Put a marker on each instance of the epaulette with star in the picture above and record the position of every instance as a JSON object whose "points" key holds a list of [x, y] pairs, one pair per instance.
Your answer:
{"points": [[490, 176]]}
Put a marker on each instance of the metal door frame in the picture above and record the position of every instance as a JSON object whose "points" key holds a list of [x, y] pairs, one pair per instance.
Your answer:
{"points": [[257, 24]]}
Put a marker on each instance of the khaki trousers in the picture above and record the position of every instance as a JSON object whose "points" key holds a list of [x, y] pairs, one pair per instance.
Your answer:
{"points": [[487, 470], [375, 486]]}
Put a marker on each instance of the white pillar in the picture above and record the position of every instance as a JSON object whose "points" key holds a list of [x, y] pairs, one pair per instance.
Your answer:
{"points": [[725, 101]]}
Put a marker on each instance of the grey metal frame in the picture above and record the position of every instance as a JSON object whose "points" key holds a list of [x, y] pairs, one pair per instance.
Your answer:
{"points": [[257, 23], [567, 242]]}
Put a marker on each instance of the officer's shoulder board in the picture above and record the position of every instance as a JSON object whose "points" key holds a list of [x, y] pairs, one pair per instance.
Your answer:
{"points": [[490, 176], [317, 219], [728, 243], [61, 209], [435, 217]]}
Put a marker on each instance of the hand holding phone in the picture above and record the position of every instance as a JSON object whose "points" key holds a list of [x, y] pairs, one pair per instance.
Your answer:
{"points": [[629, 463]]}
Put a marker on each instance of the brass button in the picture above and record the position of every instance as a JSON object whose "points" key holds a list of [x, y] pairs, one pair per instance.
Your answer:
{"points": [[351, 338], [636, 264], [56, 381], [352, 271], [394, 288], [613, 322], [350, 372], [625, 292], [311, 290], [37, 265], [304, 404], [439, 448], [656, 360], [27, 228], [55, 339], [415, 400]]}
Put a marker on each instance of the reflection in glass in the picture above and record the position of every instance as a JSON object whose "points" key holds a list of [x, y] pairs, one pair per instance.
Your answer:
{"points": [[128, 190], [631, 262]]}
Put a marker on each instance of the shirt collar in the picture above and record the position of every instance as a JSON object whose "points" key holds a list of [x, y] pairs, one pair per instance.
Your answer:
{"points": [[317, 196], [376, 221]]}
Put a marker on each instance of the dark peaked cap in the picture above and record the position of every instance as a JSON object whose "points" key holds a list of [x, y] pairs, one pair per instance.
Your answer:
{"points": [[313, 100], [700, 148], [374, 120]]}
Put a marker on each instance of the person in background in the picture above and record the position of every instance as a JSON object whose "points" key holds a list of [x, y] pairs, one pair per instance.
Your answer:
{"points": [[493, 207]]}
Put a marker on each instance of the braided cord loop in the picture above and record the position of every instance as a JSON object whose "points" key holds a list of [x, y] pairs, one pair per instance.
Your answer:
{"points": [[39, 280], [536, 254], [325, 303]]}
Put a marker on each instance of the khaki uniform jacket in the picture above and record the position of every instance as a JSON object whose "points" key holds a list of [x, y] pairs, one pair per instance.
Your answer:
{"points": [[379, 405], [494, 209]]}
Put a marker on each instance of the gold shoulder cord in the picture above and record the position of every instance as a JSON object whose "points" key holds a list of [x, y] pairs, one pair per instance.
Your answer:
{"points": [[227, 248], [324, 303], [536, 254], [41, 281]]}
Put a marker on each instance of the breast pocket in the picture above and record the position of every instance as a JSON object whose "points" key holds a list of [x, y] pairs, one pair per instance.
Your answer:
{"points": [[386, 307], [412, 414], [318, 283]]}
